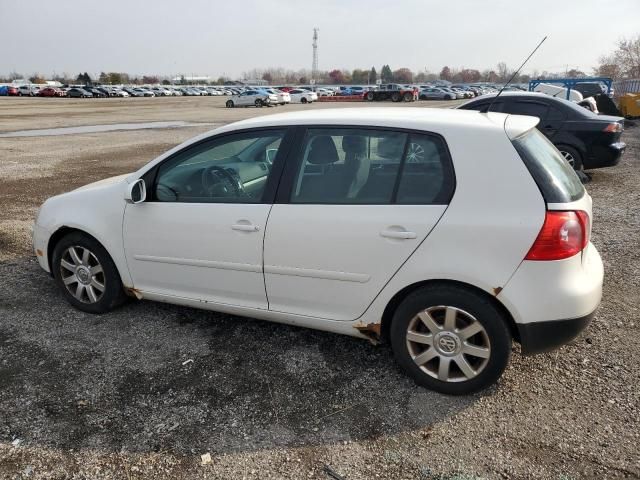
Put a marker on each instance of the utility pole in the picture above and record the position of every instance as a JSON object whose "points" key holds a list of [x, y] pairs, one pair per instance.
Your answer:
{"points": [[314, 64]]}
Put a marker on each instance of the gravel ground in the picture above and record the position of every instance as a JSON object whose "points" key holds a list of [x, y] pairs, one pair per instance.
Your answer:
{"points": [[143, 392]]}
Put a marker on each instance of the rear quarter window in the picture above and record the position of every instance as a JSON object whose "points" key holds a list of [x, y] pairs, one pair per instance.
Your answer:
{"points": [[555, 178]]}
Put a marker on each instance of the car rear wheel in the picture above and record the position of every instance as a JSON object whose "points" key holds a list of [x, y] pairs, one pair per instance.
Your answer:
{"points": [[572, 156], [229, 104], [408, 97], [450, 339], [86, 275], [370, 96], [395, 97]]}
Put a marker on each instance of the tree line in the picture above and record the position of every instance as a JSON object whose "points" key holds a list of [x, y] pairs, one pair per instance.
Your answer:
{"points": [[623, 62]]}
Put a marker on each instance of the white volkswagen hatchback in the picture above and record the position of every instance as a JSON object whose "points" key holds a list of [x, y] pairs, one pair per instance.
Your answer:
{"points": [[447, 233]]}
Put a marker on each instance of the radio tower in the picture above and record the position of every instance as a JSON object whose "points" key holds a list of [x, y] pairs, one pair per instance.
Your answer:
{"points": [[314, 65]]}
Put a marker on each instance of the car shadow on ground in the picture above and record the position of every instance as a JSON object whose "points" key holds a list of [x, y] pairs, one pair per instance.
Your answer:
{"points": [[151, 377]]}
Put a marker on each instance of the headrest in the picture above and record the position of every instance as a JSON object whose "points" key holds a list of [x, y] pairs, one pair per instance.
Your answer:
{"points": [[322, 151], [355, 144]]}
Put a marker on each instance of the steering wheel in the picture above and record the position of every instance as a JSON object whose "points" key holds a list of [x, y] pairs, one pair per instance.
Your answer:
{"points": [[219, 182]]}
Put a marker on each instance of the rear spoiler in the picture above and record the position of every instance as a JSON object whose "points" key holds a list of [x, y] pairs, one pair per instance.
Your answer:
{"points": [[517, 125]]}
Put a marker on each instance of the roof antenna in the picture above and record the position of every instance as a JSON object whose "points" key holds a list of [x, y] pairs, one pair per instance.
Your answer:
{"points": [[486, 110]]}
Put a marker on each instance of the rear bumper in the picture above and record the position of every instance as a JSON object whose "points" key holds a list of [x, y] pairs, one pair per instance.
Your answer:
{"points": [[551, 302], [605, 155], [545, 336]]}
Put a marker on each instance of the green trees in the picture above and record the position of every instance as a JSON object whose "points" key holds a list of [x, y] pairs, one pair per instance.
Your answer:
{"points": [[386, 75]]}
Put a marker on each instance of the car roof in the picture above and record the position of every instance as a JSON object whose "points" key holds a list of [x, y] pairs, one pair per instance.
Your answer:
{"points": [[439, 120]]}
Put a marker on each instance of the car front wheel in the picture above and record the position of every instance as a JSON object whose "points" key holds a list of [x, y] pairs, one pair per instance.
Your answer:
{"points": [[259, 103], [450, 339], [229, 104], [86, 274]]}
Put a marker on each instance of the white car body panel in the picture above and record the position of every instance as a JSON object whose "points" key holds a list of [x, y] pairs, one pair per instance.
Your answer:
{"points": [[313, 276], [170, 250], [96, 209], [560, 92], [324, 271]]}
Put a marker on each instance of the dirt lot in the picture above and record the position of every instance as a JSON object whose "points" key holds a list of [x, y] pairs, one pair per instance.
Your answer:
{"points": [[145, 391]]}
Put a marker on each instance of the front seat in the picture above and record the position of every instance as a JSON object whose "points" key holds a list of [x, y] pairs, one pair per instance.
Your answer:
{"points": [[319, 187], [356, 164]]}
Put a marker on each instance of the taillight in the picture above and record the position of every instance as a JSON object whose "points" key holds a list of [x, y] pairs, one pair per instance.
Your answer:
{"points": [[563, 235], [614, 127]]}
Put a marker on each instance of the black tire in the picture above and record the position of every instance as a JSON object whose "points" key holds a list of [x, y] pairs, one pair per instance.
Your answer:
{"points": [[303, 100], [229, 104], [370, 96], [570, 152], [259, 103], [408, 97], [395, 97], [495, 335], [113, 294]]}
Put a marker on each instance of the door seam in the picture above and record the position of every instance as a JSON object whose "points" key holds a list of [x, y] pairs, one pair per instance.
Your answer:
{"points": [[264, 238]]}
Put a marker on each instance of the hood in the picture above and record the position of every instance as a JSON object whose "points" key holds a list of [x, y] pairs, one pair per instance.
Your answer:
{"points": [[103, 183]]}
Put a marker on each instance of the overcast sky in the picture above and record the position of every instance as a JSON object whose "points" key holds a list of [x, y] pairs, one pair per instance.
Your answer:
{"points": [[209, 37]]}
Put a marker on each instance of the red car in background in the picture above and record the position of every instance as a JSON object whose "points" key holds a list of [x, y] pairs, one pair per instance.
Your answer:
{"points": [[51, 92], [12, 91]]}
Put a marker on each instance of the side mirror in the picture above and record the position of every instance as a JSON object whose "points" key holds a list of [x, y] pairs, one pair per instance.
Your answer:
{"points": [[136, 192], [271, 154]]}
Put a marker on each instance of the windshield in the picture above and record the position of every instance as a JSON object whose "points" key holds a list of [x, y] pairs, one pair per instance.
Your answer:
{"points": [[556, 179]]}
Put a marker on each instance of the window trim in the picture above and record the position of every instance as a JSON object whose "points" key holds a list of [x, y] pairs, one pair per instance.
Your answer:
{"points": [[275, 176], [296, 155]]}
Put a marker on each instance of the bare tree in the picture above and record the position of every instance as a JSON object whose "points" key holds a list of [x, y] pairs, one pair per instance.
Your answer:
{"points": [[624, 62], [503, 72]]}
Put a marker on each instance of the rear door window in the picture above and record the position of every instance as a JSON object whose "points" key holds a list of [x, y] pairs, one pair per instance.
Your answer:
{"points": [[556, 179], [532, 109], [373, 166]]}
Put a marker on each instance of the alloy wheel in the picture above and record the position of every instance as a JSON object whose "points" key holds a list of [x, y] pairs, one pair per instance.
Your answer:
{"points": [[569, 158], [415, 153], [82, 274], [448, 343]]}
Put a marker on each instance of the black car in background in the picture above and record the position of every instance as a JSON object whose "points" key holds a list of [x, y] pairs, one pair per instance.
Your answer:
{"points": [[95, 92], [585, 139]]}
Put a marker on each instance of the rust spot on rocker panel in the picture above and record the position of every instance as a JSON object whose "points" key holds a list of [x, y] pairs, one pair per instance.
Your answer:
{"points": [[371, 330], [133, 292]]}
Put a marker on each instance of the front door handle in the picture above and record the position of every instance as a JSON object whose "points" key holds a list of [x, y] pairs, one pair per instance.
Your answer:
{"points": [[245, 227], [401, 234]]}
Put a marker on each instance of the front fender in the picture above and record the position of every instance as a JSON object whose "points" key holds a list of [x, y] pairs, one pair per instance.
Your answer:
{"points": [[96, 210]]}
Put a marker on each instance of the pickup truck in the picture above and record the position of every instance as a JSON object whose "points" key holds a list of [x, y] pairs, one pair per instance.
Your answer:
{"points": [[393, 92]]}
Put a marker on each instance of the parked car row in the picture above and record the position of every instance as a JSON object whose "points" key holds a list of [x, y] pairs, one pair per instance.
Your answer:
{"points": [[102, 91], [424, 91], [271, 97]]}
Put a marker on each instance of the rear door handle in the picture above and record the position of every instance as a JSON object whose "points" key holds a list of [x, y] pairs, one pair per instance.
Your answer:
{"points": [[244, 227], [403, 235]]}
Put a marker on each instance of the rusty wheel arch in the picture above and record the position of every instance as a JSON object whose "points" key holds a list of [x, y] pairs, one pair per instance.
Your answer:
{"points": [[392, 305]]}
